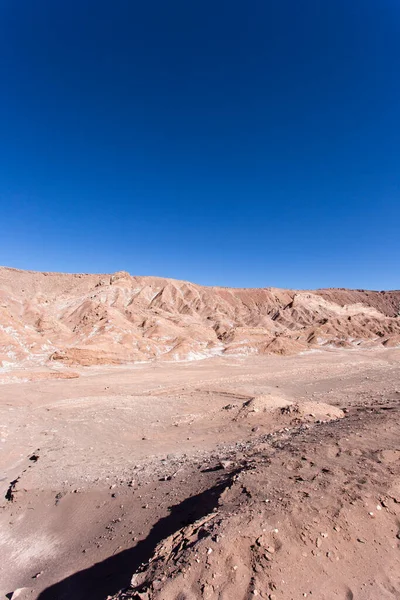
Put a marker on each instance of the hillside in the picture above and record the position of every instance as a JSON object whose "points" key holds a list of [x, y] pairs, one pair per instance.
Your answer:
{"points": [[86, 319]]}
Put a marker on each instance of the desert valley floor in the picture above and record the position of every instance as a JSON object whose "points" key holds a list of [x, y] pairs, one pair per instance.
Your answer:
{"points": [[275, 477]]}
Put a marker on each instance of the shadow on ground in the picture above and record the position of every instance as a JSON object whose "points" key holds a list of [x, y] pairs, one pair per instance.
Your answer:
{"points": [[114, 573]]}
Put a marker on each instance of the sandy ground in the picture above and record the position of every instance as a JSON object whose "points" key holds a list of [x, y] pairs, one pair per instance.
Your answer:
{"points": [[97, 470]]}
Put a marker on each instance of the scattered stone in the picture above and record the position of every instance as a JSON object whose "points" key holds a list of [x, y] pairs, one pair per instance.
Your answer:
{"points": [[10, 494], [58, 497]]}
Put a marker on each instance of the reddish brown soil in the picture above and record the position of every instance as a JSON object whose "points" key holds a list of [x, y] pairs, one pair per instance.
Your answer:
{"points": [[227, 478]]}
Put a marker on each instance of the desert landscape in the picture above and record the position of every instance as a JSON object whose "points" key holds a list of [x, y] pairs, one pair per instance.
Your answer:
{"points": [[81, 319], [163, 440]]}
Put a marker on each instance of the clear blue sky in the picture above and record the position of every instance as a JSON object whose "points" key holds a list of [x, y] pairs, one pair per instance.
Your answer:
{"points": [[234, 143]]}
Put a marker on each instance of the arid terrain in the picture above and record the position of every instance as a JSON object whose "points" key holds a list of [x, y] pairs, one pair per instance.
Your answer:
{"points": [[130, 468], [115, 319]]}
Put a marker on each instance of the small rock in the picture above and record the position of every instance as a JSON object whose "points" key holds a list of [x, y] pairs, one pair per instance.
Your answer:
{"points": [[225, 464], [361, 540], [37, 575], [318, 542], [267, 557], [17, 593], [262, 541]]}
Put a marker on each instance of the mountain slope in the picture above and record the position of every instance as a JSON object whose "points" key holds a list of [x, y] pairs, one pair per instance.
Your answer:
{"points": [[111, 319]]}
